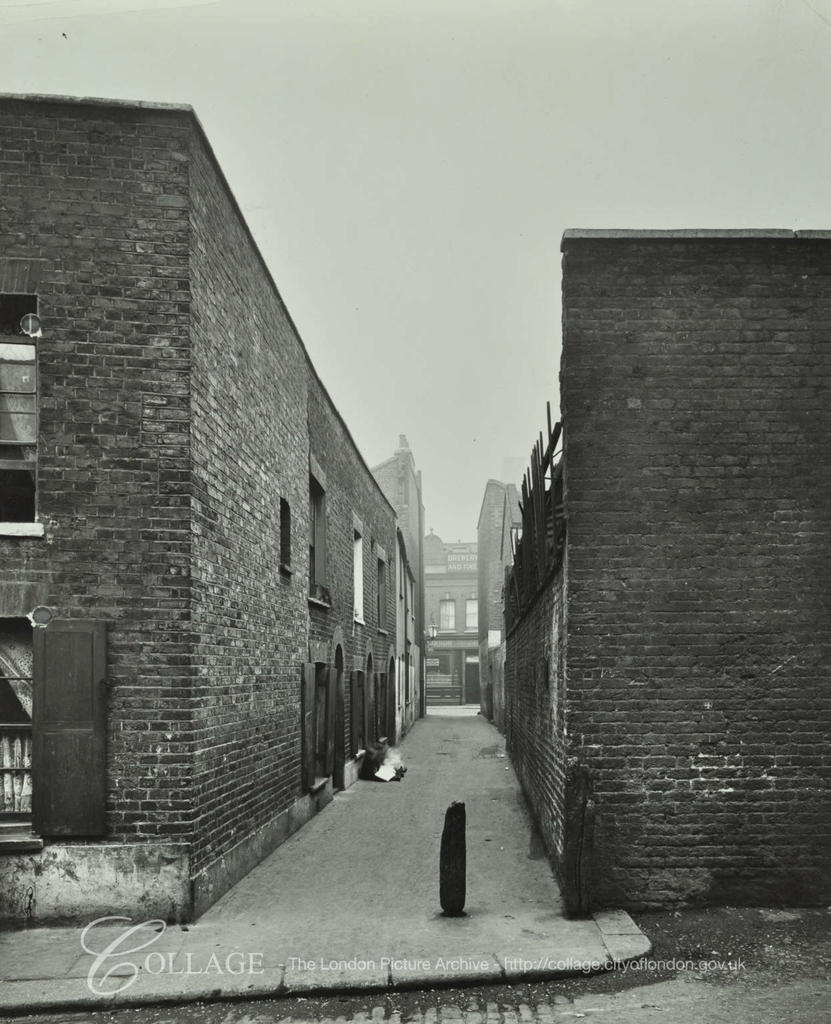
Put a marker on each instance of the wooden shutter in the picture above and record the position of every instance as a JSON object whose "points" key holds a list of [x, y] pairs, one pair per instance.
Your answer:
{"points": [[331, 686], [340, 725], [369, 688], [69, 721], [354, 713], [382, 714], [308, 716], [392, 700]]}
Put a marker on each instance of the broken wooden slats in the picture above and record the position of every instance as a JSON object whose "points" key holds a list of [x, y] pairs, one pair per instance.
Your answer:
{"points": [[528, 542], [550, 432], [536, 551], [539, 509]]}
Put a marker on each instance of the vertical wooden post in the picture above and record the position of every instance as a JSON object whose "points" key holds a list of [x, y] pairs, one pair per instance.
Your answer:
{"points": [[453, 861]]}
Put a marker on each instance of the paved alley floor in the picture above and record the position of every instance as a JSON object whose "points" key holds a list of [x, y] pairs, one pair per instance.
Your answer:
{"points": [[351, 900]]}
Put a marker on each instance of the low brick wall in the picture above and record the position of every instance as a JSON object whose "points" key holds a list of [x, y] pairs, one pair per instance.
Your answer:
{"points": [[534, 691]]}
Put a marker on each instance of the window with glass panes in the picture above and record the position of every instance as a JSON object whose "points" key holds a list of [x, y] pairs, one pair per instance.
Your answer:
{"points": [[18, 412]]}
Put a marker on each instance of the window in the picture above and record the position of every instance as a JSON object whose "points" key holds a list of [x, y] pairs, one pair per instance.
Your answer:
{"points": [[382, 594], [317, 540], [15, 719], [447, 614], [53, 718], [358, 575], [471, 613], [18, 412], [285, 534]]}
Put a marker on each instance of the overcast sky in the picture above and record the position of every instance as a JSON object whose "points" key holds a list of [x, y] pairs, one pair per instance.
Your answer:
{"points": [[408, 169]]}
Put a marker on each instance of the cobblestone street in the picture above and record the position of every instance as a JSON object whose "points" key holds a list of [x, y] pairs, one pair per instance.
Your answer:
{"points": [[678, 1001], [784, 977]]}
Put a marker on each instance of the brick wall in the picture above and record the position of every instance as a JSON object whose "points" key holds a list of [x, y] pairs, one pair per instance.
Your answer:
{"points": [[534, 711], [94, 204], [176, 400], [495, 659], [695, 383], [250, 449]]}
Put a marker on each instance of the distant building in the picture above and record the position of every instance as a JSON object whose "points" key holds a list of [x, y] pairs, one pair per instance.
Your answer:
{"points": [[500, 524], [401, 483], [452, 607]]}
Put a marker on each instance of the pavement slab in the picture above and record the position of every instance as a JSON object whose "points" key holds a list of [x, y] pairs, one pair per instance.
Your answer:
{"points": [[350, 902]]}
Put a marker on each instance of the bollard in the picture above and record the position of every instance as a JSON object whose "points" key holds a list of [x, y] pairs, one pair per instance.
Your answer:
{"points": [[453, 861]]}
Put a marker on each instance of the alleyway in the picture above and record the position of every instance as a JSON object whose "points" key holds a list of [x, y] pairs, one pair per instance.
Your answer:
{"points": [[350, 902], [361, 879]]}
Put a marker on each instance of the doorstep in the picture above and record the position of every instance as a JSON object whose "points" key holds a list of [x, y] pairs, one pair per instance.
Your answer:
{"points": [[18, 837]]}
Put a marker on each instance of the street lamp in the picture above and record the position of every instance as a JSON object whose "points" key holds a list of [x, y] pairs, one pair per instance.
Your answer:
{"points": [[432, 629]]}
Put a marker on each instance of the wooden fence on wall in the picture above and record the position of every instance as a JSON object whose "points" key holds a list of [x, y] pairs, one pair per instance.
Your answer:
{"points": [[539, 549]]}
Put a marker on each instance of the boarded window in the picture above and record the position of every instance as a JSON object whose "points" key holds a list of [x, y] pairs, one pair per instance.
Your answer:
{"points": [[69, 728]]}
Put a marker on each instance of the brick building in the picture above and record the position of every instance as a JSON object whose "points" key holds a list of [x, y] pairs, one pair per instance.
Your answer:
{"points": [[401, 482], [497, 532], [667, 661], [452, 611], [188, 666], [352, 604]]}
